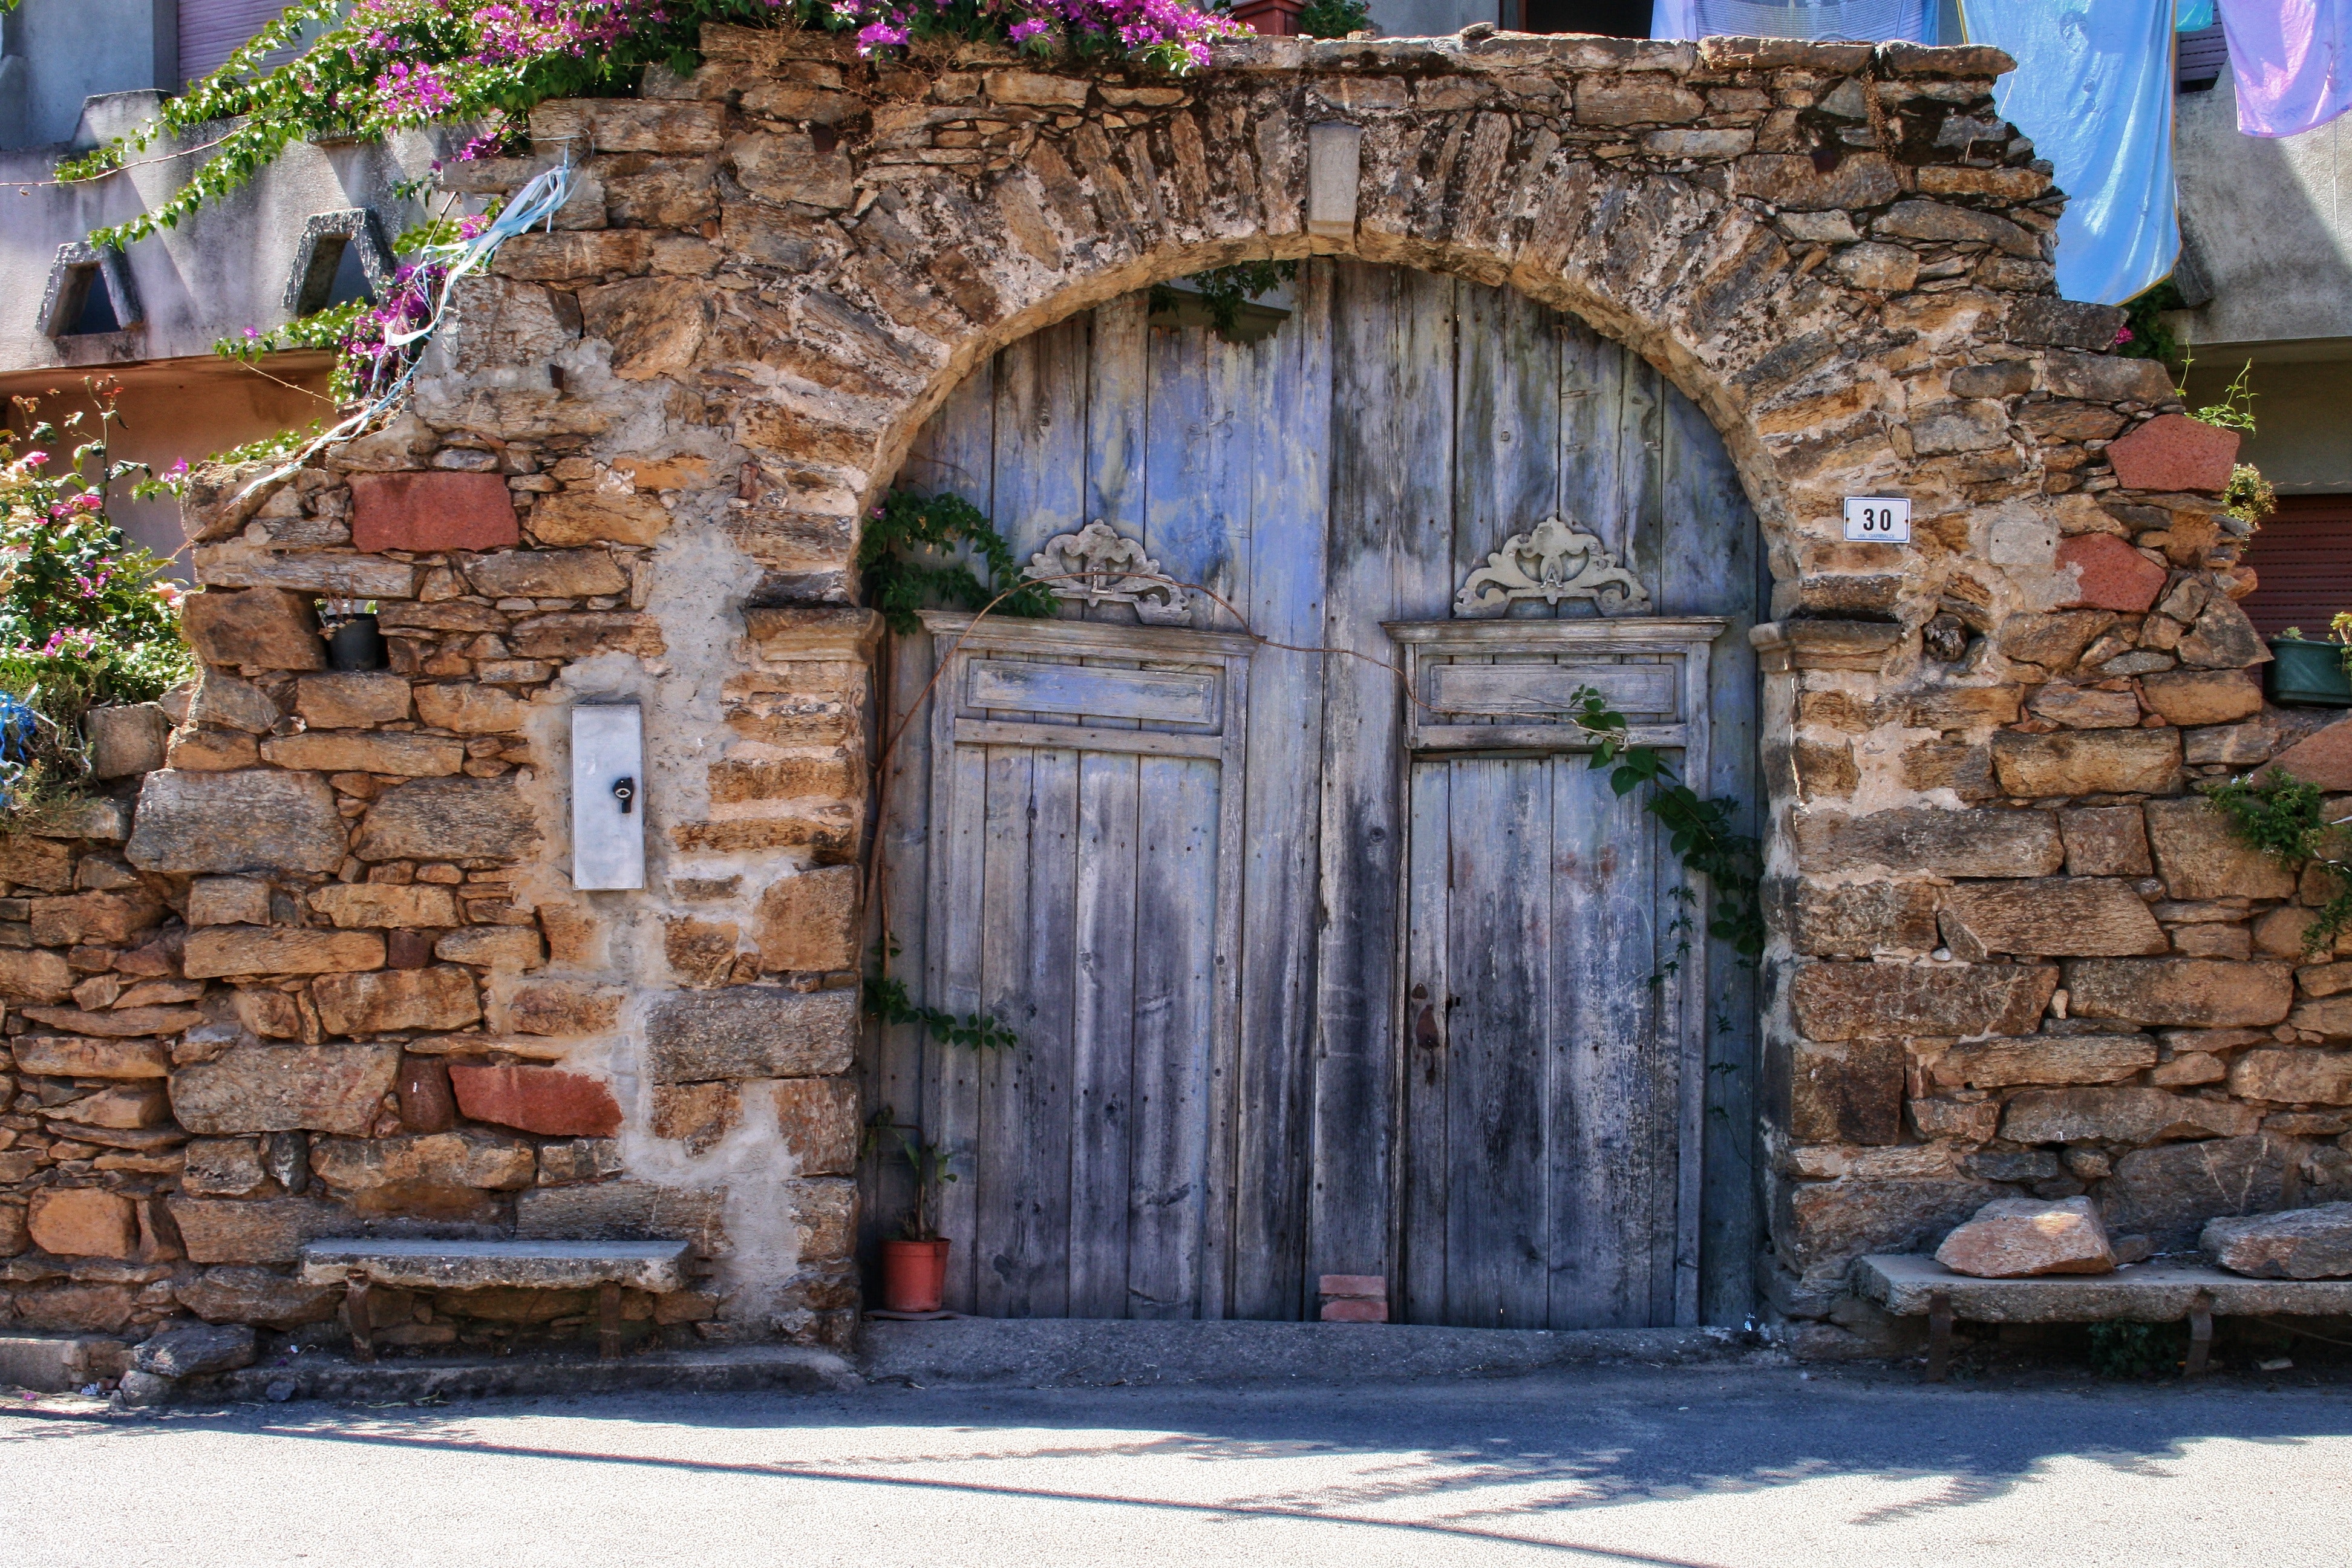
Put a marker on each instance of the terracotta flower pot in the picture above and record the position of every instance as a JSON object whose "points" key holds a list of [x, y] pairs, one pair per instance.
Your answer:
{"points": [[913, 1275]]}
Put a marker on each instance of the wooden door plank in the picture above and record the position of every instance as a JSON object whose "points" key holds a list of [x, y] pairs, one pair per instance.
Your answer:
{"points": [[1289, 505], [959, 901], [985, 1191], [1429, 985], [1031, 1190], [1507, 435], [955, 451], [891, 1056], [1041, 436], [1391, 553], [1592, 374], [1197, 506], [1220, 1090], [1498, 934], [1102, 1034], [1640, 441], [1176, 881], [1117, 401], [1713, 565], [1612, 1104]]}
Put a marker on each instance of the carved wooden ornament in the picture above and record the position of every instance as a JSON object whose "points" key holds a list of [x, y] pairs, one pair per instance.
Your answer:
{"points": [[1554, 561], [1098, 566]]}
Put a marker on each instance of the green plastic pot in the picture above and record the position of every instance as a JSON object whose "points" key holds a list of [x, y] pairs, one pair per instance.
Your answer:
{"points": [[2308, 675]]}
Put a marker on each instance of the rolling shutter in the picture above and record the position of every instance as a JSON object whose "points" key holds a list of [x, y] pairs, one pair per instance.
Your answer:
{"points": [[2202, 56], [211, 31], [2302, 557]]}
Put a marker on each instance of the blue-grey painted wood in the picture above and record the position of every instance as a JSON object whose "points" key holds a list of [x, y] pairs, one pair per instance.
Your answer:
{"points": [[1496, 923], [1203, 416], [1165, 697], [1462, 689], [1102, 1040], [1348, 470], [1291, 481], [1506, 470], [1391, 553], [1713, 564], [1612, 1102], [955, 451], [1176, 877]]}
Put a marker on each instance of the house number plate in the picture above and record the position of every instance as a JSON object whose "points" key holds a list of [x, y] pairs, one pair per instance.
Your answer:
{"points": [[1885, 520]]}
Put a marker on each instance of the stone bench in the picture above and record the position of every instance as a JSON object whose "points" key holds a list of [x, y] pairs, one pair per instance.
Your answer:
{"points": [[359, 1265], [1909, 1285]]}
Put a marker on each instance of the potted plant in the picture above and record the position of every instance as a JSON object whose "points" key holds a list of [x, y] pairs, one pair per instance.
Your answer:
{"points": [[354, 637], [2306, 673], [914, 1261]]}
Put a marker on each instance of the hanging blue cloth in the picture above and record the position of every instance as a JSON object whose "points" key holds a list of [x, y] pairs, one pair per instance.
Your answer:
{"points": [[2093, 89], [2194, 16], [1870, 21]]}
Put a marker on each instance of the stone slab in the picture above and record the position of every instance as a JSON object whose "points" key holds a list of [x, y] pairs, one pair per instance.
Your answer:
{"points": [[2142, 1293], [1078, 1352], [518, 1265], [728, 1369]]}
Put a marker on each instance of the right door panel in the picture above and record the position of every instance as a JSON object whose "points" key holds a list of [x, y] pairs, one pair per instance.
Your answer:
{"points": [[1543, 1078]]}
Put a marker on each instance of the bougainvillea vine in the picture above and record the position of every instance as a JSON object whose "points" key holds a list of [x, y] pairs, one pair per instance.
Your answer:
{"points": [[366, 67]]}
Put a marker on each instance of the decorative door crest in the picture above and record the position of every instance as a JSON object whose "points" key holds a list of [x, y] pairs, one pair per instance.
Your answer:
{"points": [[1553, 561], [1099, 566]]}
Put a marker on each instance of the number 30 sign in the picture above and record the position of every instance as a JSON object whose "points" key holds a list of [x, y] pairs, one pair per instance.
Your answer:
{"points": [[1884, 519]]}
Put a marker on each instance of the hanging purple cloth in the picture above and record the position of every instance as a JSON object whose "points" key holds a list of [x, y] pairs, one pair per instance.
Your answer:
{"points": [[2293, 62]]}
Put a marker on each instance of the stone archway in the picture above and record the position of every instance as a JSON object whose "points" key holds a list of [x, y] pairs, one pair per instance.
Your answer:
{"points": [[774, 271]]}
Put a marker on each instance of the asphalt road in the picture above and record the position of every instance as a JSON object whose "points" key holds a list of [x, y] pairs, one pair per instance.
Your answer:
{"points": [[1610, 1467]]}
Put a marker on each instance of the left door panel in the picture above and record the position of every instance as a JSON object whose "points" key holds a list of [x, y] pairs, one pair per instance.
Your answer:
{"points": [[1084, 888]]}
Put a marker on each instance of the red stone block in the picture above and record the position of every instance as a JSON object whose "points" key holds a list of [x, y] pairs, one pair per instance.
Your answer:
{"points": [[408, 949], [426, 1104], [547, 1100], [1354, 1311], [433, 511], [2323, 759], [2115, 576], [2174, 452], [1372, 1287]]}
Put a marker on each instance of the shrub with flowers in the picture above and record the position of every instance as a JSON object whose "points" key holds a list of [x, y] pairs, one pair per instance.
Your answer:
{"points": [[368, 67], [86, 616]]}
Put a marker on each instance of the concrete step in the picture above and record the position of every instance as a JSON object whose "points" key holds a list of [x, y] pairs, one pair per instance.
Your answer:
{"points": [[1064, 1352], [58, 1363]]}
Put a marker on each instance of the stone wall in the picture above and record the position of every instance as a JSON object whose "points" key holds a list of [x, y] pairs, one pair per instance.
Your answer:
{"points": [[337, 976]]}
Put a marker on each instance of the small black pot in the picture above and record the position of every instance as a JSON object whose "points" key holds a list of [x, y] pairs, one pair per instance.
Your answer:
{"points": [[357, 644]]}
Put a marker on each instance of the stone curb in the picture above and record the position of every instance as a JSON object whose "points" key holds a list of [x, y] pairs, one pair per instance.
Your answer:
{"points": [[734, 1369], [1078, 1352]]}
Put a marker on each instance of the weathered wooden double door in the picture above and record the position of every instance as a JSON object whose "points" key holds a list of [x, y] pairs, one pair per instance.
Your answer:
{"points": [[1327, 950]]}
